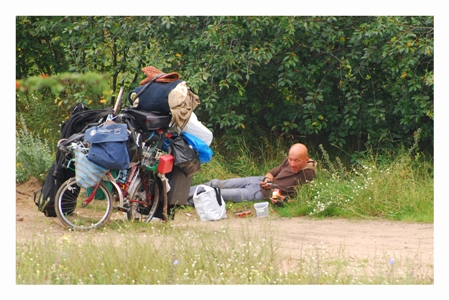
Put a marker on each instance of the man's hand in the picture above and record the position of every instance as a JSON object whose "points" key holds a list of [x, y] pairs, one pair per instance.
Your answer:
{"points": [[279, 200], [266, 184], [266, 181]]}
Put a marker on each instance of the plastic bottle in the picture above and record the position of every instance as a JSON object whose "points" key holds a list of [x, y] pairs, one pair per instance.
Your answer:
{"points": [[122, 176]]}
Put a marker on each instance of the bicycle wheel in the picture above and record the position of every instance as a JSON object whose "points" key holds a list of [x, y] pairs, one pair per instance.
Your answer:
{"points": [[85, 215], [144, 199]]}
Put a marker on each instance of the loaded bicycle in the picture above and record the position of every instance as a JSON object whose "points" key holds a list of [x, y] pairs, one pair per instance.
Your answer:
{"points": [[138, 190]]}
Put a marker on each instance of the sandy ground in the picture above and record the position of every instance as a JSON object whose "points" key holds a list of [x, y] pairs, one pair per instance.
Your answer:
{"points": [[358, 239]]}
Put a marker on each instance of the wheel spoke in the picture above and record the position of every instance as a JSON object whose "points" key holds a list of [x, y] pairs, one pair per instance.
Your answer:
{"points": [[75, 212]]}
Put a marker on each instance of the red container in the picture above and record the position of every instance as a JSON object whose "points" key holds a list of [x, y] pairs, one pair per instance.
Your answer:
{"points": [[165, 163], [243, 214]]}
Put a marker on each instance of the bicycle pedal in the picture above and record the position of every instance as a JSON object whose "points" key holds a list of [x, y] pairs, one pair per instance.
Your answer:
{"points": [[122, 208]]}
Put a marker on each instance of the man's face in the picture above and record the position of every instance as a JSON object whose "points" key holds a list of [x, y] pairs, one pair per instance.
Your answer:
{"points": [[296, 163]]}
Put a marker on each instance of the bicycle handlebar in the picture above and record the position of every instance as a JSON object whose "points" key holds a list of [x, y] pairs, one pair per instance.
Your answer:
{"points": [[73, 138]]}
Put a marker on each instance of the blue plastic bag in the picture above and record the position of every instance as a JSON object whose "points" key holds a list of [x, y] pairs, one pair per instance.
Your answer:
{"points": [[204, 152]]}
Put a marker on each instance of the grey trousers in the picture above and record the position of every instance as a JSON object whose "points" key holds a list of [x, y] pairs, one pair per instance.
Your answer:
{"points": [[235, 189]]}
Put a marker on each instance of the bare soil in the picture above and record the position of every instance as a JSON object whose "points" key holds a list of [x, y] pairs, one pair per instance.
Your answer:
{"points": [[358, 238]]}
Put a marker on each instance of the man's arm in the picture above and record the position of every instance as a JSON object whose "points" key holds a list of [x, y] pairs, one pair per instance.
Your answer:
{"points": [[267, 179]]}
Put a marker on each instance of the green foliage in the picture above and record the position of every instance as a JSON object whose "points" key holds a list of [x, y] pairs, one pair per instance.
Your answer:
{"points": [[33, 157], [334, 79], [361, 84], [67, 88], [44, 102], [42, 119]]}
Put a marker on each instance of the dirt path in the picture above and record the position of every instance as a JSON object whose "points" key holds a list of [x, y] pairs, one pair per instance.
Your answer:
{"points": [[356, 238]]}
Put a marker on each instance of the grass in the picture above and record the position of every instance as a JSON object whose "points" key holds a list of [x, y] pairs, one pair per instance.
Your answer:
{"points": [[397, 191], [161, 254]]}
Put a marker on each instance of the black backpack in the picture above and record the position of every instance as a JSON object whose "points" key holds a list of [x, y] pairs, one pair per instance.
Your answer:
{"points": [[153, 96], [45, 197], [58, 172]]}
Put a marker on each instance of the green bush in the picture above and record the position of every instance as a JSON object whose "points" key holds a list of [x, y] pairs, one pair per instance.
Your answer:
{"points": [[45, 102], [33, 156], [346, 80]]}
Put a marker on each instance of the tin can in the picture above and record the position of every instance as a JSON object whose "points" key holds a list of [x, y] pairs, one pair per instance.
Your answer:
{"points": [[276, 193]]}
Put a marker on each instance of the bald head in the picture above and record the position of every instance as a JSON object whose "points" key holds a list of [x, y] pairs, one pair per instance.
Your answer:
{"points": [[298, 156], [298, 149]]}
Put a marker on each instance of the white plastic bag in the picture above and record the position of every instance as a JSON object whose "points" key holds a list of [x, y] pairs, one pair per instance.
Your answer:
{"points": [[209, 204], [197, 129]]}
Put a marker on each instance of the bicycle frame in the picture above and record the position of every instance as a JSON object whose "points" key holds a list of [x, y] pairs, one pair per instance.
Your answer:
{"points": [[91, 195], [147, 195], [122, 188]]}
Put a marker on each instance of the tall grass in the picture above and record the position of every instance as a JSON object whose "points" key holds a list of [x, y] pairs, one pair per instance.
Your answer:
{"points": [[33, 156], [397, 185], [397, 191], [244, 160], [161, 254]]}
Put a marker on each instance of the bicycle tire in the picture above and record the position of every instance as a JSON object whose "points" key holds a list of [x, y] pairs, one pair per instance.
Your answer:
{"points": [[145, 212], [93, 215]]}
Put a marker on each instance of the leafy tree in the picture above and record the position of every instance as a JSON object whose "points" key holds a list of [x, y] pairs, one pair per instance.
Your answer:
{"points": [[328, 79]]}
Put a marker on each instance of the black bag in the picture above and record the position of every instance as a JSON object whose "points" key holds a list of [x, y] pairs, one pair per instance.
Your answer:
{"points": [[186, 158], [45, 197], [133, 143], [153, 96], [81, 118], [58, 172], [148, 121]]}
